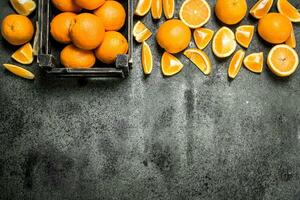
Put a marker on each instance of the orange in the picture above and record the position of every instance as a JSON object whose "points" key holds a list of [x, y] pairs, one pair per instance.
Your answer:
{"points": [[291, 41], [173, 36], [140, 32], [89, 4], [114, 43], [17, 29], [200, 59], [112, 14], [224, 43], [244, 35], [274, 28], [87, 31], [254, 62], [169, 8], [283, 60], [60, 27], [147, 60], [66, 5], [288, 10], [236, 64], [24, 55], [156, 9], [195, 13], [23, 7], [19, 71], [170, 65], [202, 37], [261, 8], [73, 57], [231, 11], [143, 7]]}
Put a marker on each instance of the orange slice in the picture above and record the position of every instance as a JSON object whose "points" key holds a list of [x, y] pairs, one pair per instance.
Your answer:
{"points": [[143, 7], [224, 43], [254, 62], [19, 71], [170, 65], [23, 7], [24, 55], [202, 37], [291, 41], [147, 60], [156, 9], [140, 32], [244, 35], [169, 8], [195, 13], [283, 60], [200, 59], [261, 8], [288, 10], [236, 64]]}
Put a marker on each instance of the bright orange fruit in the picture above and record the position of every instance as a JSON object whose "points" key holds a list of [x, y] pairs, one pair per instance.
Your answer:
{"points": [[202, 37], [288, 10], [156, 9], [254, 62], [261, 8], [90, 4], [236, 63], [200, 59], [66, 5], [170, 65], [24, 55], [23, 7], [291, 41], [147, 60], [169, 8], [244, 35], [231, 11], [224, 43], [143, 7], [140, 32], [19, 71]]}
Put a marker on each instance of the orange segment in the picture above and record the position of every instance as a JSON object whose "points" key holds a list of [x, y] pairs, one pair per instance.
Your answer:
{"points": [[224, 43], [19, 71], [170, 65], [202, 37], [244, 35], [24, 55], [200, 59], [23, 7], [195, 13], [288, 10], [291, 41], [156, 9], [254, 62], [261, 8], [169, 7], [140, 32], [283, 60], [147, 60], [143, 7], [236, 64]]}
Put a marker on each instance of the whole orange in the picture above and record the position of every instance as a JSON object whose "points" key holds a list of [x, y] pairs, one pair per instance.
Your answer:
{"points": [[89, 4], [17, 29], [231, 11], [274, 28], [173, 36], [66, 5]]}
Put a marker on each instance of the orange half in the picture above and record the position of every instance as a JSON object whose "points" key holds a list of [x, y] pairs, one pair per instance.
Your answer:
{"points": [[19, 71], [254, 62], [200, 59], [224, 43], [170, 65], [143, 7], [24, 55], [261, 8], [156, 9], [244, 35], [140, 32], [288, 10], [202, 37], [236, 63], [147, 60], [291, 41], [169, 8]]}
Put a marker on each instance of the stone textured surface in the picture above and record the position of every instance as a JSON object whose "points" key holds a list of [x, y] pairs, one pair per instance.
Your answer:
{"points": [[185, 137]]}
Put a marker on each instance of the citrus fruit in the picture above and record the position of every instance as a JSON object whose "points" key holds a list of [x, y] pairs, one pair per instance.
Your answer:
{"points": [[224, 43], [114, 43], [254, 62], [236, 63], [87, 31], [24, 55], [140, 32], [169, 8], [73, 57], [195, 13], [288, 10], [291, 41], [143, 7], [231, 11], [147, 60], [200, 59], [202, 37], [112, 14], [244, 35], [261, 8], [17, 29], [19, 71], [173, 36], [60, 27], [170, 65], [274, 28], [23, 7], [90, 4], [156, 9], [66, 5], [283, 60]]}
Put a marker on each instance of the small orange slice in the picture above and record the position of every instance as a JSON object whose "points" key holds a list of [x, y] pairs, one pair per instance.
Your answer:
{"points": [[143, 7], [244, 35], [19, 71], [169, 8], [283, 60], [140, 32], [23, 7], [202, 37], [224, 43], [170, 65], [236, 64], [200, 59], [147, 60], [24, 55], [254, 62], [261, 8], [288, 10], [195, 13], [156, 9], [291, 41]]}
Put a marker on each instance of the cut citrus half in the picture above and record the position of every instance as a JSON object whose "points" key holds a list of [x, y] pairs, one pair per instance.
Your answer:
{"points": [[291, 41], [283, 60], [140, 32], [224, 43], [24, 55], [169, 8], [23, 7], [195, 13], [244, 35], [19, 71], [200, 59], [156, 9], [202, 37], [143, 7], [288, 10], [261, 8], [236, 63], [170, 65], [254, 62], [147, 60]]}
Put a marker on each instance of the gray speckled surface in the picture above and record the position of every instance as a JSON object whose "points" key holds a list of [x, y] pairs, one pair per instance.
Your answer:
{"points": [[185, 137]]}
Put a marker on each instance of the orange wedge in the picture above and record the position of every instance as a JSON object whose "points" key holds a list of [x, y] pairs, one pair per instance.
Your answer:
{"points": [[140, 32], [261, 8], [195, 13], [24, 55], [254, 62], [143, 7], [156, 9], [19, 71], [288, 10], [291, 41], [170, 65], [147, 60], [202, 37], [23, 7], [244, 35], [236, 64], [283, 60], [224, 43], [200, 59], [169, 8]]}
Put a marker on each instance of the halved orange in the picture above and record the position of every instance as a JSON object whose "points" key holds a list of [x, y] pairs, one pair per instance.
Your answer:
{"points": [[291, 41], [200, 59], [288, 10], [236, 63], [261, 8], [254, 62], [283, 60], [140, 32], [19, 71], [202, 37], [224, 43], [170, 65], [244, 35], [156, 9], [143, 7], [24, 55], [195, 13], [147, 60], [23, 7]]}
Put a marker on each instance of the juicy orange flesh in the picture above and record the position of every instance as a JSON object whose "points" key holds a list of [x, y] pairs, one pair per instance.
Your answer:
{"points": [[171, 64], [236, 63], [286, 7], [147, 59], [199, 61], [202, 37], [156, 8], [244, 35], [142, 6], [169, 6], [24, 54], [141, 32], [292, 40], [262, 8], [283, 59], [223, 43], [195, 12], [255, 62]]}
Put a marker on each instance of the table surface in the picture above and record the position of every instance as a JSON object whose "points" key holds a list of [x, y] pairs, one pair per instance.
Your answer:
{"points": [[184, 137]]}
